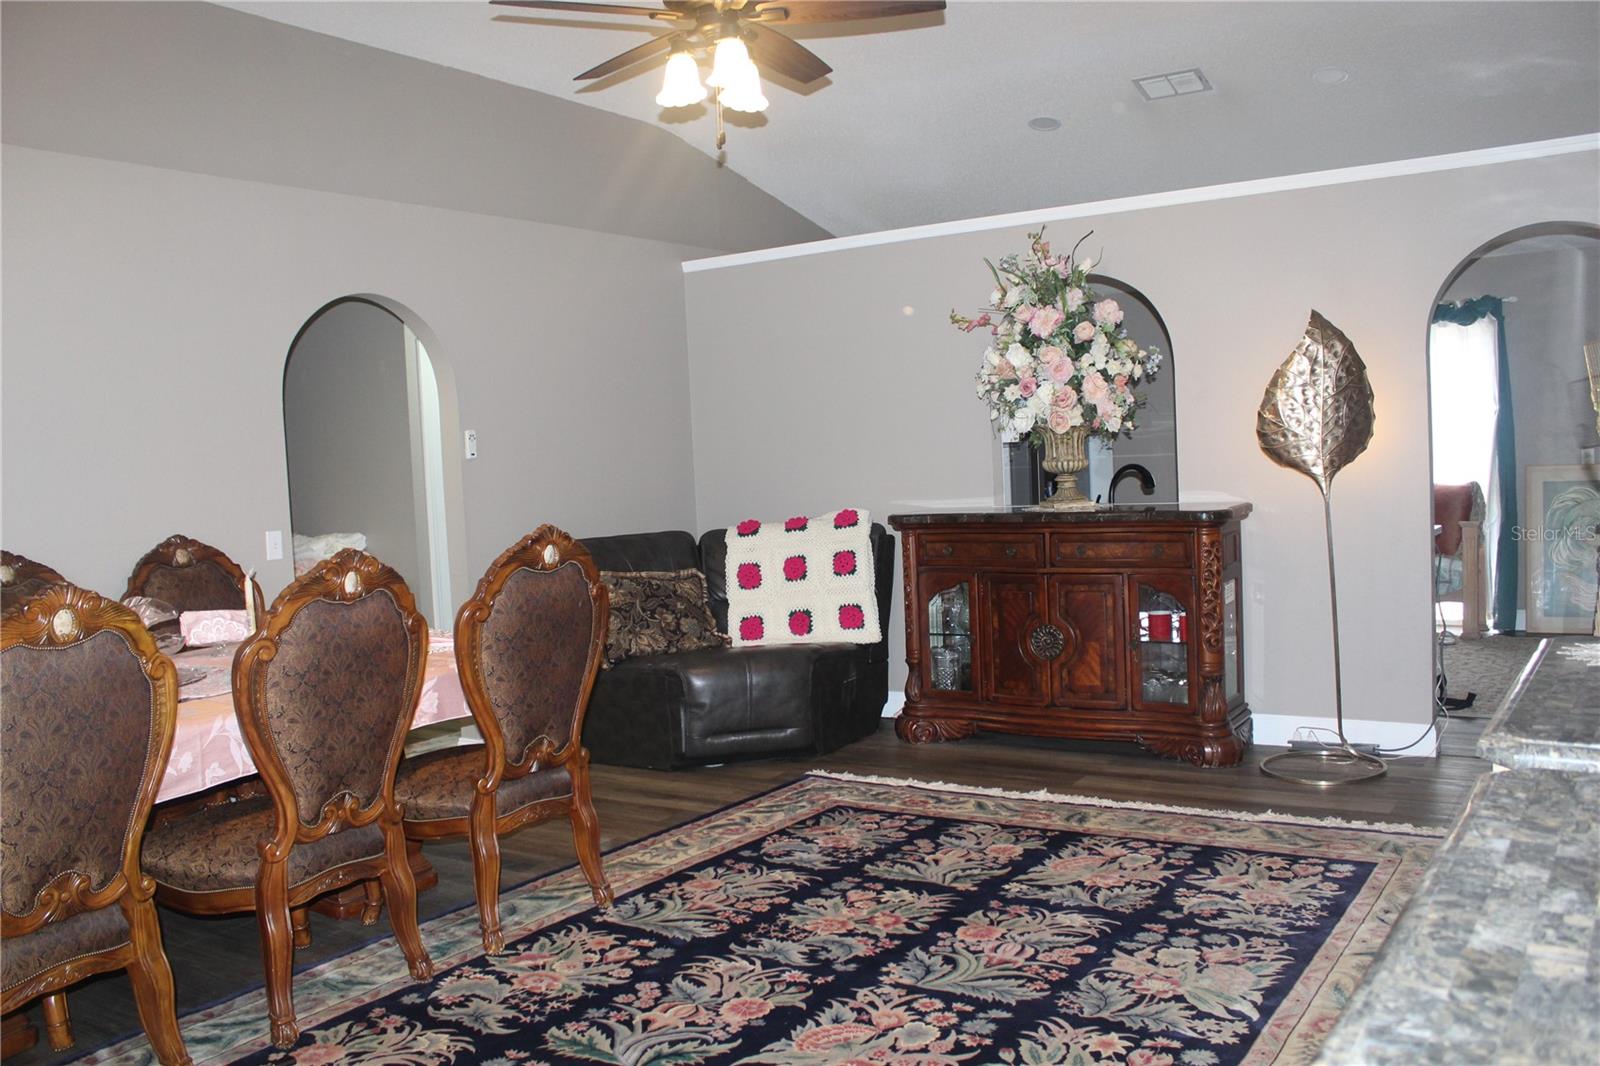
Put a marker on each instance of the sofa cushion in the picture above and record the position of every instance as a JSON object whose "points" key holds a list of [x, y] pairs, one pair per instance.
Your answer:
{"points": [[656, 613], [668, 550]]}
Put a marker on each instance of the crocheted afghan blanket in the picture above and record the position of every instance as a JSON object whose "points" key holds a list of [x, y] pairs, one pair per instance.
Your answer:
{"points": [[803, 581]]}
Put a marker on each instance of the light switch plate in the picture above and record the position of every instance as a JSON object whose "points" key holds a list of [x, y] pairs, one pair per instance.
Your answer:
{"points": [[274, 544], [471, 444]]}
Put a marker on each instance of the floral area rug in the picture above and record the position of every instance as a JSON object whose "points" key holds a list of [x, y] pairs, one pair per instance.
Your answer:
{"points": [[856, 920]]}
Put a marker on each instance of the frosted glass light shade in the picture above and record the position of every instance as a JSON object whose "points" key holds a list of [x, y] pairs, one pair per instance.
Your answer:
{"points": [[728, 62], [681, 87], [735, 77]]}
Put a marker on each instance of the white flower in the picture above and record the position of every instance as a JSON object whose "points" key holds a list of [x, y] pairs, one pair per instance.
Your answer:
{"points": [[991, 356], [1074, 299], [1112, 421], [1009, 435], [1039, 405], [1022, 421], [1013, 392], [1019, 356], [996, 296], [1100, 346], [1086, 265], [983, 387], [1013, 298], [1046, 393]]}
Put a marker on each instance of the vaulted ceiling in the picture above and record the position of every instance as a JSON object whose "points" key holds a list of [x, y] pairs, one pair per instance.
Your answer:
{"points": [[930, 123]]}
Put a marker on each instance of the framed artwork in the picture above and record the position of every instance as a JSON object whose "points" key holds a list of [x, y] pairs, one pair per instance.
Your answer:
{"points": [[1560, 534]]}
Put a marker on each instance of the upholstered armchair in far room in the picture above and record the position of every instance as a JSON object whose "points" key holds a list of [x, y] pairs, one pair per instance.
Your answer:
{"points": [[191, 576], [87, 725], [325, 693], [21, 577], [528, 644], [1458, 553]]}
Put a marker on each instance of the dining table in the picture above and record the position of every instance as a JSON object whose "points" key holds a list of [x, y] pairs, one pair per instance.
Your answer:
{"points": [[208, 749]]}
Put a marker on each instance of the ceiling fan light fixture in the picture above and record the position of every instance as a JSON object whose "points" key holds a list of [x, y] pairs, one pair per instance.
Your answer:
{"points": [[681, 86]]}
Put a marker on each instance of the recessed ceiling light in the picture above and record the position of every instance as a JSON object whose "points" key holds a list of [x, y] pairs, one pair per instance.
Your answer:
{"points": [[1177, 83], [1330, 75], [1044, 123]]}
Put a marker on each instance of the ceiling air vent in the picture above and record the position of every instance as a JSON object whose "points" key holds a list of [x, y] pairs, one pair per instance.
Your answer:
{"points": [[1177, 83]]}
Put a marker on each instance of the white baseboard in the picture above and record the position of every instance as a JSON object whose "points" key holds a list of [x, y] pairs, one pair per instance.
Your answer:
{"points": [[1276, 729]]}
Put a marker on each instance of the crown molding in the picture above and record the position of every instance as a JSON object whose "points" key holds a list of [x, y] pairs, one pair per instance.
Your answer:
{"points": [[1588, 142]]}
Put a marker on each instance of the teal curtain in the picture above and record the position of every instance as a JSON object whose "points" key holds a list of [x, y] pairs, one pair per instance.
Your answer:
{"points": [[1466, 313]]}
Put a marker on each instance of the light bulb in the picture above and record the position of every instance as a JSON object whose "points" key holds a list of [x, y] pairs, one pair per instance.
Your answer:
{"points": [[681, 87]]}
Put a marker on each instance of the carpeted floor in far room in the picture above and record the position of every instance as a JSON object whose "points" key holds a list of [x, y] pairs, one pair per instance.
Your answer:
{"points": [[219, 958], [1486, 667]]}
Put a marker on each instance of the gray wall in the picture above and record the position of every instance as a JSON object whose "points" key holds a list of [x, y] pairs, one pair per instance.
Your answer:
{"points": [[347, 431], [197, 87], [812, 388], [152, 290]]}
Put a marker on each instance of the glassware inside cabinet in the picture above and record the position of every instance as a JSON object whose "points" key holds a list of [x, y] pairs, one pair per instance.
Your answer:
{"points": [[1230, 638], [1163, 647], [950, 639]]}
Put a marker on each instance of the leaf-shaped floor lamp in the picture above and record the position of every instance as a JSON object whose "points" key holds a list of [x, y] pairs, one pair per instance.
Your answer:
{"points": [[1316, 417]]}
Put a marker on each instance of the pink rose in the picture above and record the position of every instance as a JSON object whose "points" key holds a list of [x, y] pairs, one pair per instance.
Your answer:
{"points": [[1045, 320], [1049, 354], [1083, 333], [1060, 418], [1024, 313], [1062, 370], [1027, 386], [1121, 381], [1004, 370], [1066, 398], [1107, 313], [1095, 389], [1074, 298], [1064, 270]]}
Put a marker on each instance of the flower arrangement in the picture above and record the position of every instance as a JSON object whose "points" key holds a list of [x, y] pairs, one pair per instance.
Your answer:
{"points": [[1060, 357]]}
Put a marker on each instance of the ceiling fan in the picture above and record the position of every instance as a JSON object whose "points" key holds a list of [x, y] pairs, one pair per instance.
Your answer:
{"points": [[736, 33]]}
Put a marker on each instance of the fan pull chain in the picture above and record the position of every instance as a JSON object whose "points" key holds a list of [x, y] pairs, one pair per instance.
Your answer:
{"points": [[722, 134]]}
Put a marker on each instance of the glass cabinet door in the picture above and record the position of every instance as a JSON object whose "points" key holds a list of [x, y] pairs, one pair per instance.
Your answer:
{"points": [[1163, 642], [950, 638], [1230, 638]]}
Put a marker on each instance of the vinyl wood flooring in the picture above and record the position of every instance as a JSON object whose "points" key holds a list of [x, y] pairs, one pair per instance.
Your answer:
{"points": [[217, 958]]}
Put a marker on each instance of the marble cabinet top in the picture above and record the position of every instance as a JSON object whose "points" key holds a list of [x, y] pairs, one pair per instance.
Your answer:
{"points": [[1551, 717], [1496, 960]]}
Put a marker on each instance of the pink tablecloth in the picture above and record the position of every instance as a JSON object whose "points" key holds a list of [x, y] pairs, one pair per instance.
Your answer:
{"points": [[208, 749]]}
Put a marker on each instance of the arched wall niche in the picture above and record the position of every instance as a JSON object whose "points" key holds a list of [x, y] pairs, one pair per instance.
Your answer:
{"points": [[371, 428]]}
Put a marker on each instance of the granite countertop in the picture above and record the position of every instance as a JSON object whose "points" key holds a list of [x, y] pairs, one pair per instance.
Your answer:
{"points": [[1497, 958], [1551, 717], [1183, 511]]}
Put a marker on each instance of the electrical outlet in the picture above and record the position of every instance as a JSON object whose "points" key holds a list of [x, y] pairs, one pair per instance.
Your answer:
{"points": [[274, 544], [470, 445]]}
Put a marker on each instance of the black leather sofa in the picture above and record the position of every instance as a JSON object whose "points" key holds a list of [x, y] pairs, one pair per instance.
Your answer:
{"points": [[714, 705]]}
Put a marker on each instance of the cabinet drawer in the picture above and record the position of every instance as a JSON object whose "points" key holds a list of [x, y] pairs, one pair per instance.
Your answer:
{"points": [[1003, 550], [1145, 549]]}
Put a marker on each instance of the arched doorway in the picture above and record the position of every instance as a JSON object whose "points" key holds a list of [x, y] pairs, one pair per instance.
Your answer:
{"points": [[1152, 448], [371, 436], [1514, 444]]}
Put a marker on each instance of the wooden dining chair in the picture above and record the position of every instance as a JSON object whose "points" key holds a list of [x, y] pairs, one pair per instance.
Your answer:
{"points": [[325, 692], [528, 644], [191, 576], [85, 732], [21, 577]]}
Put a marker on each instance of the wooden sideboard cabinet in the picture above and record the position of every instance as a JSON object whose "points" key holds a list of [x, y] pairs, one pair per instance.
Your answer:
{"points": [[1116, 624]]}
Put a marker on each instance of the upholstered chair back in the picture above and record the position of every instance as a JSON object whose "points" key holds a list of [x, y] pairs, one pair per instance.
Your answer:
{"points": [[87, 724], [326, 689], [191, 576], [1452, 505], [528, 644], [21, 577]]}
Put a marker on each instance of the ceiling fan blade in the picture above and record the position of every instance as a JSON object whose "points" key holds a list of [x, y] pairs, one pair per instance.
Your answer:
{"points": [[802, 11], [654, 46], [783, 56], [608, 9]]}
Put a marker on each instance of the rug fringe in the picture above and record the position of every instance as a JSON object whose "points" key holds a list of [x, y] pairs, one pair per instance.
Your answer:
{"points": [[1136, 805]]}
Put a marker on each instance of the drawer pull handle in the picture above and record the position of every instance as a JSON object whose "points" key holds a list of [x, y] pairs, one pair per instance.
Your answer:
{"points": [[1161, 549], [1011, 551], [1081, 550], [948, 550]]}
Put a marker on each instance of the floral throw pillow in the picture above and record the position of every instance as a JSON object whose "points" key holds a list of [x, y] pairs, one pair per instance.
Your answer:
{"points": [[654, 612]]}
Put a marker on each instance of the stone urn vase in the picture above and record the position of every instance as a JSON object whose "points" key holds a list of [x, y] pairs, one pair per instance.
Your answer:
{"points": [[1066, 457]]}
